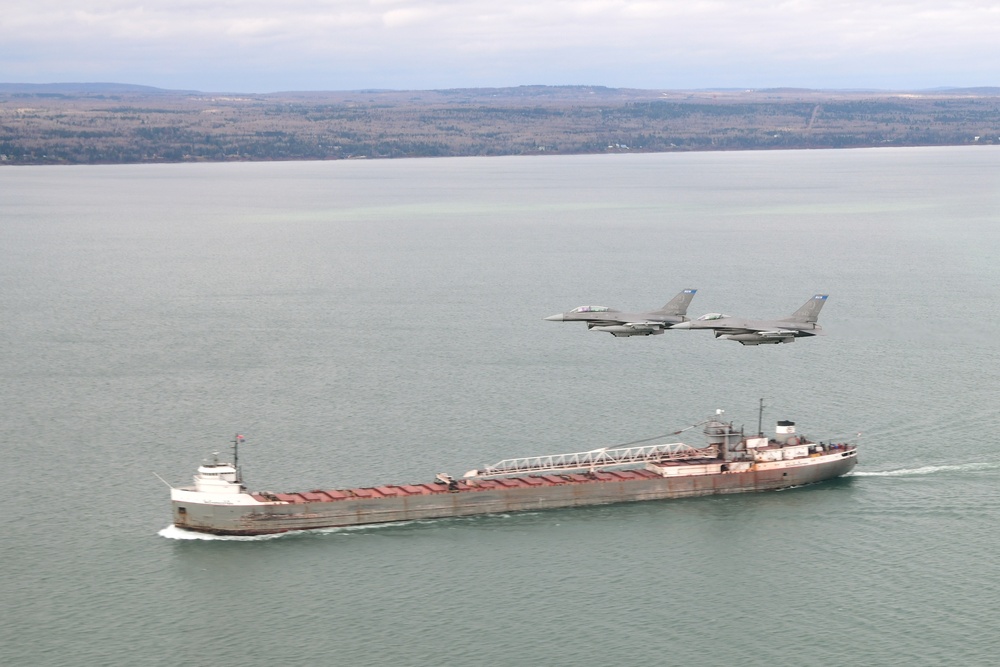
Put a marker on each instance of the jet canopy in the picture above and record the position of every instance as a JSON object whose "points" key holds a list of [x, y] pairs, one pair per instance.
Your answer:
{"points": [[711, 316], [593, 309]]}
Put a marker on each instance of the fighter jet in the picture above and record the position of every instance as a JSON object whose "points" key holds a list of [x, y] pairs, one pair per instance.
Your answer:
{"points": [[621, 325], [763, 332]]}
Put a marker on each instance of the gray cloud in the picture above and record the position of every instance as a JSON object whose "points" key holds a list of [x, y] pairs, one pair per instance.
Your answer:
{"points": [[253, 45]]}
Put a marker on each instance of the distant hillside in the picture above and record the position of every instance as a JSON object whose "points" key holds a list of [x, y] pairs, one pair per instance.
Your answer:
{"points": [[100, 123], [80, 88], [528, 91]]}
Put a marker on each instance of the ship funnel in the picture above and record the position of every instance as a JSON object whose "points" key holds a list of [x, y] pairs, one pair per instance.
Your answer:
{"points": [[784, 431]]}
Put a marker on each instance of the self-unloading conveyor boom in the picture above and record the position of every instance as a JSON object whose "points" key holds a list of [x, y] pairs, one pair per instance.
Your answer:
{"points": [[594, 459]]}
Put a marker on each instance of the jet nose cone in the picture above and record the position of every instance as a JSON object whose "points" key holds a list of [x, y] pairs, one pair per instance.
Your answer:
{"points": [[681, 325], [558, 317]]}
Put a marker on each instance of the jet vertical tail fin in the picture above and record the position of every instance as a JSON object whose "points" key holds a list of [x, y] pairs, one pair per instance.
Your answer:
{"points": [[679, 304], [809, 312]]}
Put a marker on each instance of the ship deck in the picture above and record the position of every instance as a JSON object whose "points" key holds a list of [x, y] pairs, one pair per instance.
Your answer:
{"points": [[467, 486]]}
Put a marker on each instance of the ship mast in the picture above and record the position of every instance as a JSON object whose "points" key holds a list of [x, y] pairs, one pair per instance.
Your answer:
{"points": [[236, 456], [760, 420]]}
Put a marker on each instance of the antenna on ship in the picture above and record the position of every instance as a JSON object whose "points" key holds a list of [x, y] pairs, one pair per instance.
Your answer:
{"points": [[760, 420], [236, 456]]}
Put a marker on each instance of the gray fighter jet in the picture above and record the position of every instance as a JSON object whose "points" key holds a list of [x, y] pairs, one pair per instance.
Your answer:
{"points": [[620, 325], [763, 332]]}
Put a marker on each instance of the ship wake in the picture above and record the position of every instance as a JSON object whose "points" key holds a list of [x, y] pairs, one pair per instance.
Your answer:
{"points": [[172, 532], [928, 470]]}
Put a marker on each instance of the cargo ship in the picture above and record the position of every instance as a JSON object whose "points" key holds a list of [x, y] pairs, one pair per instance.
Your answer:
{"points": [[730, 462]]}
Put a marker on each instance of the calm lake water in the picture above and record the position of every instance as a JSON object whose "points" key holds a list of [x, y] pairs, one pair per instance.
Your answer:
{"points": [[379, 322]]}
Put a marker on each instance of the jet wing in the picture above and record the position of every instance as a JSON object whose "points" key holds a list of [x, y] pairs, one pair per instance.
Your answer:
{"points": [[751, 336], [768, 333], [776, 333], [782, 333], [632, 328], [647, 325]]}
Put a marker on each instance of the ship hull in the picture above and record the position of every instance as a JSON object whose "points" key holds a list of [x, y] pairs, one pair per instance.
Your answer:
{"points": [[524, 493]]}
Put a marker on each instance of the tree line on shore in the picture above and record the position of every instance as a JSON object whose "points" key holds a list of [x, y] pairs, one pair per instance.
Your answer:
{"points": [[144, 125]]}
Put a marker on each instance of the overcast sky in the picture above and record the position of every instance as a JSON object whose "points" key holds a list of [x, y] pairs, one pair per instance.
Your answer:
{"points": [[280, 45]]}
